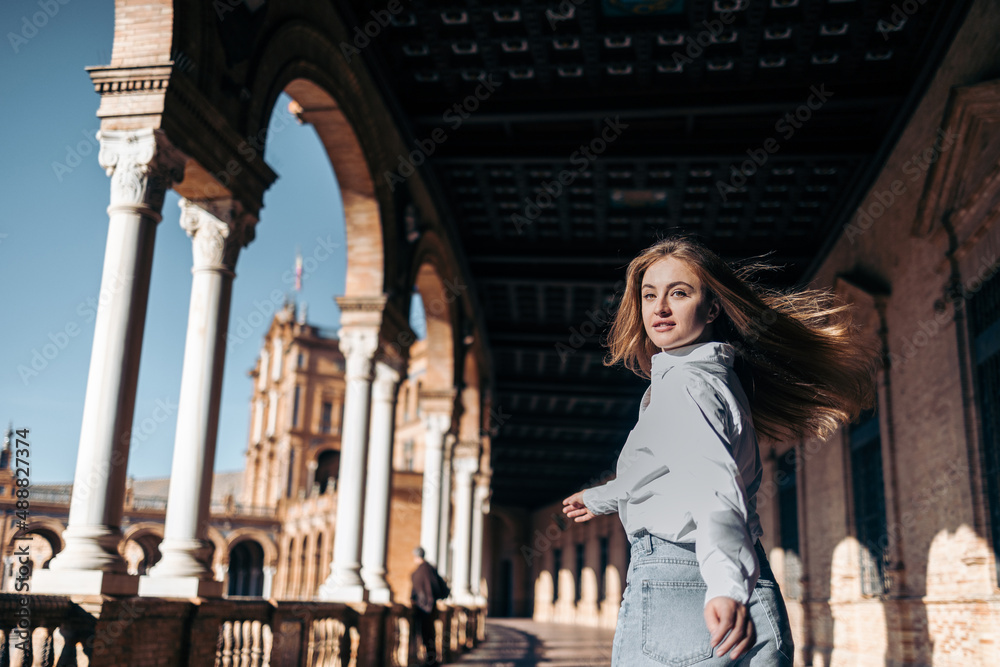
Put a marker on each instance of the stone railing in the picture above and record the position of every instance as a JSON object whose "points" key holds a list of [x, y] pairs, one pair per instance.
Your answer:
{"points": [[225, 633]]}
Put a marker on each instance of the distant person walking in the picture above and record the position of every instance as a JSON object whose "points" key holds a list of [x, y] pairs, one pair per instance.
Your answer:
{"points": [[428, 587]]}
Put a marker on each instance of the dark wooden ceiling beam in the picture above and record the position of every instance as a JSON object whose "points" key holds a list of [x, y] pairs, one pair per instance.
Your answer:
{"points": [[775, 106]]}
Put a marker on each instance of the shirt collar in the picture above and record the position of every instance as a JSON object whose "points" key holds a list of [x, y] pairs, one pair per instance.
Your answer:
{"points": [[712, 352]]}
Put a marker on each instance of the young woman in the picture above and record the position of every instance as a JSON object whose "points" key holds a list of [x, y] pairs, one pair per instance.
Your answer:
{"points": [[726, 360]]}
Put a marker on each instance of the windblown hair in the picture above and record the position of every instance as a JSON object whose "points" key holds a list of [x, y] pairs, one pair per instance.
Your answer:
{"points": [[802, 362]]}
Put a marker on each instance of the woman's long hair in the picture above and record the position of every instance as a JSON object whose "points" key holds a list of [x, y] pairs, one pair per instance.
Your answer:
{"points": [[803, 364]]}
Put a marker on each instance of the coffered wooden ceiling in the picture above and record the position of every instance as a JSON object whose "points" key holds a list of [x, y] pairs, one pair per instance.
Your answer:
{"points": [[695, 89]]}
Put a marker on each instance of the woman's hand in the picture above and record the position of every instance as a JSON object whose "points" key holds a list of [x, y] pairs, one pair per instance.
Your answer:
{"points": [[723, 614], [574, 508]]}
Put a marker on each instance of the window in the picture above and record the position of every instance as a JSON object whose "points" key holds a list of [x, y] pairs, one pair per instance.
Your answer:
{"points": [[295, 407], [579, 571], [869, 502], [785, 478], [408, 455], [300, 361], [406, 403], [602, 575], [327, 470], [326, 414], [419, 411], [556, 566], [984, 329]]}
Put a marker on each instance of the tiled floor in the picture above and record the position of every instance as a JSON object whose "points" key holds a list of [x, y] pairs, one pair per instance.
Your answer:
{"points": [[525, 643]]}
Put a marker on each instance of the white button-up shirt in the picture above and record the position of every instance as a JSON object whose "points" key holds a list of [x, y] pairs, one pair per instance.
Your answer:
{"points": [[690, 469]]}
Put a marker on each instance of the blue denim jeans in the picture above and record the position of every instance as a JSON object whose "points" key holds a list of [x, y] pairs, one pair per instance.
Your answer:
{"points": [[662, 621]]}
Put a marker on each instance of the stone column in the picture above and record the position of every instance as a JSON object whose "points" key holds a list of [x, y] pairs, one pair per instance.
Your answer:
{"points": [[269, 571], [444, 553], [344, 583], [465, 467], [142, 165], [218, 230], [435, 426], [378, 489], [480, 506]]}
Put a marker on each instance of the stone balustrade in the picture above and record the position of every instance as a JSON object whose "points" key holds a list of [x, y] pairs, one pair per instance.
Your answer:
{"points": [[106, 632]]}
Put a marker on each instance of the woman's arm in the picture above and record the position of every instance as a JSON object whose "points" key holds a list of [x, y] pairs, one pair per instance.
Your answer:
{"points": [[701, 463]]}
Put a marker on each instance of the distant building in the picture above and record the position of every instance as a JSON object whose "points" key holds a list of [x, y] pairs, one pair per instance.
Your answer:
{"points": [[273, 523]]}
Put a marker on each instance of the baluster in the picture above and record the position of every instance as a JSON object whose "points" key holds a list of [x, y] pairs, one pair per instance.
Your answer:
{"points": [[225, 656], [355, 638], [42, 642], [255, 647], [268, 643], [247, 642]]}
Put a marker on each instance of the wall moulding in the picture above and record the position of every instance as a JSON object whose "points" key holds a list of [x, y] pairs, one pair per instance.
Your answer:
{"points": [[962, 190]]}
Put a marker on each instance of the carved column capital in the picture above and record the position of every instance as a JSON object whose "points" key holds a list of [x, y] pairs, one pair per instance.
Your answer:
{"points": [[437, 423], [358, 344], [142, 165], [384, 385], [465, 466], [219, 229]]}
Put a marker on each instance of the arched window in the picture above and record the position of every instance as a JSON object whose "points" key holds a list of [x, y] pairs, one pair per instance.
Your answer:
{"points": [[327, 469], [246, 570]]}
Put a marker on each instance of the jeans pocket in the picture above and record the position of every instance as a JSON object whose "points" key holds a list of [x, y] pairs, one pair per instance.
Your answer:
{"points": [[773, 604], [673, 623]]}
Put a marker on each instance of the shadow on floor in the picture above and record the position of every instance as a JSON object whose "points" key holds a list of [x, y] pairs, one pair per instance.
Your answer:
{"points": [[525, 643]]}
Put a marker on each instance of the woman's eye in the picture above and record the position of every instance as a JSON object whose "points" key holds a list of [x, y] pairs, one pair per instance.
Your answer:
{"points": [[648, 296], [679, 291]]}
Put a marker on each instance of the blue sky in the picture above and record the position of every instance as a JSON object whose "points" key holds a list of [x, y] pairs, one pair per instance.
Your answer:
{"points": [[52, 237]]}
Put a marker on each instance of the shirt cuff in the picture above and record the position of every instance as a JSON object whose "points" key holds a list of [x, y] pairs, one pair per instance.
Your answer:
{"points": [[601, 499]]}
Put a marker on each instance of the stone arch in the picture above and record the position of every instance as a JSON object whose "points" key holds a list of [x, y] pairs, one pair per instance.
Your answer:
{"points": [[51, 530], [434, 277], [46, 541], [140, 546], [305, 63], [259, 536]]}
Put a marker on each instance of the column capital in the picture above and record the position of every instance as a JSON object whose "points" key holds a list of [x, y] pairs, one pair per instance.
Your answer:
{"points": [[437, 422], [218, 228], [465, 467], [386, 379], [358, 344], [143, 165]]}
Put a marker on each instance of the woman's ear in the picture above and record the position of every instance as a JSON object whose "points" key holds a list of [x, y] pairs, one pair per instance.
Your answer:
{"points": [[714, 309]]}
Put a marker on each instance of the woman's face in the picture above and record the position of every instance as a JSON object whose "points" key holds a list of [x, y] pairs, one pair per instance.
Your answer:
{"points": [[675, 310]]}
